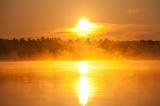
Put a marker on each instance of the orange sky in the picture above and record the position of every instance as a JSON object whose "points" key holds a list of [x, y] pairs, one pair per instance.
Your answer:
{"points": [[126, 19]]}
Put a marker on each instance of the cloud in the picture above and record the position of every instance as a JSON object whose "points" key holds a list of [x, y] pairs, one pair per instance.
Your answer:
{"points": [[110, 31], [123, 32], [132, 32]]}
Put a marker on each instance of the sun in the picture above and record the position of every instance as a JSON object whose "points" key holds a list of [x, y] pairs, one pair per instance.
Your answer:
{"points": [[84, 27]]}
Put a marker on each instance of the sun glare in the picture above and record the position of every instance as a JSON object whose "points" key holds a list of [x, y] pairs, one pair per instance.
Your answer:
{"points": [[84, 27]]}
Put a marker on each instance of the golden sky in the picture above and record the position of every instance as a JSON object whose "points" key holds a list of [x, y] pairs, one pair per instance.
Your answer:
{"points": [[126, 19]]}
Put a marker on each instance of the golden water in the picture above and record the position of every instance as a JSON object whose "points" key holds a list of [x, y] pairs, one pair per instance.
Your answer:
{"points": [[80, 83]]}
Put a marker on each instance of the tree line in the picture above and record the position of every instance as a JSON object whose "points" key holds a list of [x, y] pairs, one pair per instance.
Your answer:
{"points": [[55, 48]]}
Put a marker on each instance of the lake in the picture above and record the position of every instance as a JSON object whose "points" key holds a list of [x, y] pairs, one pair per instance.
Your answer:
{"points": [[80, 83]]}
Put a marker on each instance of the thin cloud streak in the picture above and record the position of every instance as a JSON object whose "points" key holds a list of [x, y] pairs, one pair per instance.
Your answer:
{"points": [[110, 31]]}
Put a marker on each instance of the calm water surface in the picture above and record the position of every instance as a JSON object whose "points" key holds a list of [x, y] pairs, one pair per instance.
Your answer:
{"points": [[80, 83]]}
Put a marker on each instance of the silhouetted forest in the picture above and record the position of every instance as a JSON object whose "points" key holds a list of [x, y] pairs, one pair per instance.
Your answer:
{"points": [[55, 48]]}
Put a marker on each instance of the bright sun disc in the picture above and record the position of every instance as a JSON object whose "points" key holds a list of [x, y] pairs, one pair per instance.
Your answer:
{"points": [[86, 28], [83, 25]]}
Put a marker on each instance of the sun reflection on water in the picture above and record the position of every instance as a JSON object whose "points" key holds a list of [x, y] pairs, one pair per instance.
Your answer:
{"points": [[83, 90], [83, 67], [84, 84]]}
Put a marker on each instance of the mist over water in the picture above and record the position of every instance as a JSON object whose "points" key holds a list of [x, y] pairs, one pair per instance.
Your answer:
{"points": [[77, 83], [80, 49]]}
